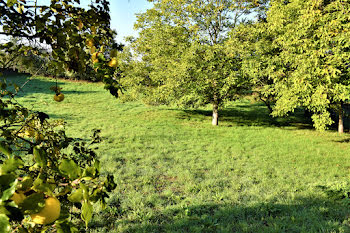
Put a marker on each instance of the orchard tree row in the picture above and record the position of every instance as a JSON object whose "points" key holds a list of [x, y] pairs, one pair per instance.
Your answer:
{"points": [[291, 54]]}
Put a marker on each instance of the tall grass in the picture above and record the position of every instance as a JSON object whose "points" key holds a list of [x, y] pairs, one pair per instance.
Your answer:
{"points": [[177, 173]]}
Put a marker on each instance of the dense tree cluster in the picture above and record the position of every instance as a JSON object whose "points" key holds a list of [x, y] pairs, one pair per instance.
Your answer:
{"points": [[299, 57], [290, 54]]}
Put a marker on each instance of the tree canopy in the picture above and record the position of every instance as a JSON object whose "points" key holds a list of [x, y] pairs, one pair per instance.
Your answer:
{"points": [[301, 56], [180, 52]]}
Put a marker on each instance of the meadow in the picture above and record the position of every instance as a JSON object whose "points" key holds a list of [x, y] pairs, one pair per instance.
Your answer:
{"points": [[177, 173]]}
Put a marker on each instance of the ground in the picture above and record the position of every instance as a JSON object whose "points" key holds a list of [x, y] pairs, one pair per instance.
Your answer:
{"points": [[177, 173]]}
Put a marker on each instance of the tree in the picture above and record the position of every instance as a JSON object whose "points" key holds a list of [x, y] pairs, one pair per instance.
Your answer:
{"points": [[254, 46], [181, 48], [38, 161], [10, 54], [310, 63]]}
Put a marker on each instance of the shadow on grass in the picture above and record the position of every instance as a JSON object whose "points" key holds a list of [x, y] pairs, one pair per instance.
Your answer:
{"points": [[307, 215], [35, 86], [251, 115], [346, 140]]}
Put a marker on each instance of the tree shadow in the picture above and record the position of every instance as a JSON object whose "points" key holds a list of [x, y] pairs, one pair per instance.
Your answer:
{"points": [[32, 85], [345, 140], [255, 114], [37, 86], [304, 215]]}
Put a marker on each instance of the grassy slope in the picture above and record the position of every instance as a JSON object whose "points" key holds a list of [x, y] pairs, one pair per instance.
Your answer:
{"points": [[175, 172]]}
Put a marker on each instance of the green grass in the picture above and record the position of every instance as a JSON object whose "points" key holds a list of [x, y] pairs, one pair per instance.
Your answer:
{"points": [[177, 173]]}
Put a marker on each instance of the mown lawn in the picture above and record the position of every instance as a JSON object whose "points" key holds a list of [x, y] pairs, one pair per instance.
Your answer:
{"points": [[177, 173]]}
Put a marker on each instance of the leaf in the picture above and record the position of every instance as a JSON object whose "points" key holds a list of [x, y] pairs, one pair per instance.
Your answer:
{"points": [[40, 156], [86, 212], [6, 180], [14, 213], [26, 183], [97, 165], [76, 196], [40, 186], [85, 191], [89, 172], [40, 25], [5, 149], [4, 223], [70, 168], [10, 3], [34, 203], [16, 87], [97, 195], [101, 57], [66, 227], [10, 165], [109, 184], [7, 194], [3, 210]]}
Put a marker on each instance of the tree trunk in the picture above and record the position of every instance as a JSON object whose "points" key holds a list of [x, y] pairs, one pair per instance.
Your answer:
{"points": [[340, 121], [266, 102], [215, 114], [268, 105]]}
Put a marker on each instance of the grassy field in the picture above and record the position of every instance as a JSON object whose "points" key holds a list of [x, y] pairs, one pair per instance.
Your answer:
{"points": [[177, 173]]}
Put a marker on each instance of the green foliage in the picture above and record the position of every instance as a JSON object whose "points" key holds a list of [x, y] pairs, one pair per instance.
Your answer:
{"points": [[253, 43], [39, 160], [180, 55], [71, 34], [301, 56], [11, 54]]}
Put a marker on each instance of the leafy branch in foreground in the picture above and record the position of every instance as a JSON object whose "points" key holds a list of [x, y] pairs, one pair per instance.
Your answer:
{"points": [[72, 35], [46, 178]]}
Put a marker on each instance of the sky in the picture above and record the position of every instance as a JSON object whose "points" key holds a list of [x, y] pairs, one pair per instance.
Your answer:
{"points": [[123, 16]]}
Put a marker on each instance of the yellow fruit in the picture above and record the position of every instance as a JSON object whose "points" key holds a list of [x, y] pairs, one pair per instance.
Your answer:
{"points": [[113, 62], [18, 198], [80, 25], [93, 49], [49, 213], [94, 55], [93, 29], [20, 9], [58, 97], [90, 43]]}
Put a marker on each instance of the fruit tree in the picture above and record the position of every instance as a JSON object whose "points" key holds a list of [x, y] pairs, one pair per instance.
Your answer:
{"points": [[48, 181]]}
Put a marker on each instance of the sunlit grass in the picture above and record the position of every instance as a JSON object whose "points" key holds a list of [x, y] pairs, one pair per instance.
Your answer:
{"points": [[176, 172]]}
